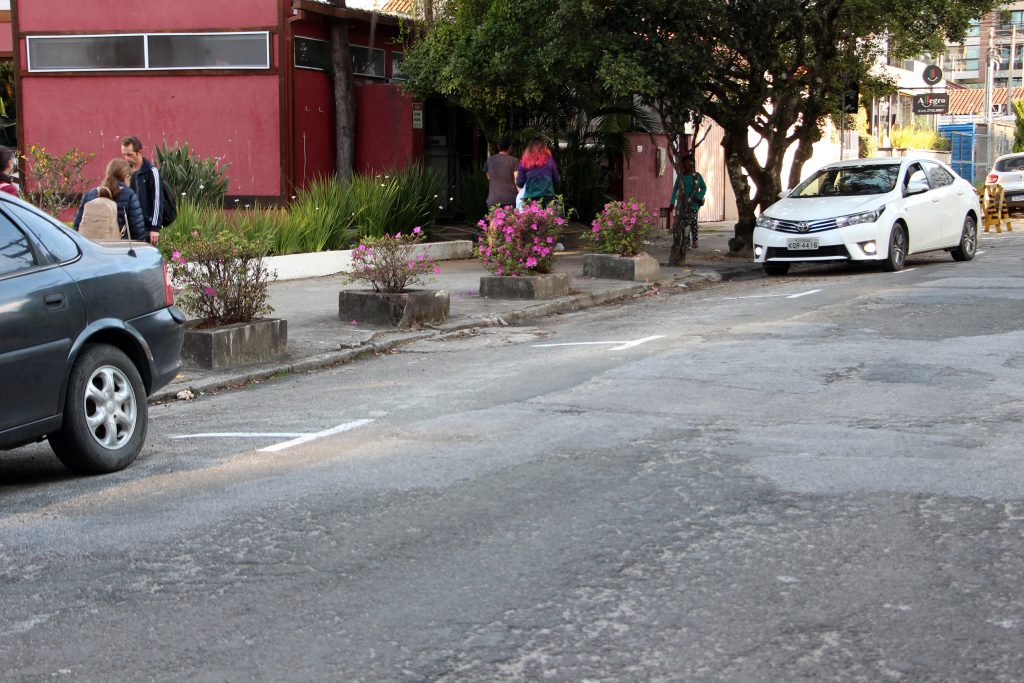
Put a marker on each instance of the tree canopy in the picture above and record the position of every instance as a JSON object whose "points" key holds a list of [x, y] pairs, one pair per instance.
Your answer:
{"points": [[768, 72]]}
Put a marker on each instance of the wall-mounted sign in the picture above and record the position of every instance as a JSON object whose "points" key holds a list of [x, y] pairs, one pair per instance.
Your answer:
{"points": [[417, 115], [931, 74], [930, 103]]}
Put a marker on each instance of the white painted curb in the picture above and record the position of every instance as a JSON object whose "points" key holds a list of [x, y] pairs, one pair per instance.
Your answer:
{"points": [[298, 266]]}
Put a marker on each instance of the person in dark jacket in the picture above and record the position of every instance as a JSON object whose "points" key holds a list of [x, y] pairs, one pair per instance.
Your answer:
{"points": [[145, 182], [115, 186]]}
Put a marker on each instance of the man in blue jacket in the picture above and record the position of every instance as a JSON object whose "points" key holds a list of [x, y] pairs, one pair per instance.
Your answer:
{"points": [[146, 183]]}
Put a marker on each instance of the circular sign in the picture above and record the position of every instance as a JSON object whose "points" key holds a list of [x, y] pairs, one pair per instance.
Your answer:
{"points": [[931, 74]]}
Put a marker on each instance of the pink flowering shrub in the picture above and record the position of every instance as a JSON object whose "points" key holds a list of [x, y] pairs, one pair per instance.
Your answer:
{"points": [[519, 242], [388, 264], [620, 228], [221, 276]]}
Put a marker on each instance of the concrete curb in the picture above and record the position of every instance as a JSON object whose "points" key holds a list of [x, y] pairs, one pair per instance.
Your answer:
{"points": [[386, 340]]}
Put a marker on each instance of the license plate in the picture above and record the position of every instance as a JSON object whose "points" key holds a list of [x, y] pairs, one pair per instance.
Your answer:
{"points": [[801, 245], [1016, 197]]}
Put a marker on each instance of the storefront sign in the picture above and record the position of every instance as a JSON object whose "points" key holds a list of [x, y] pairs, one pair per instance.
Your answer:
{"points": [[930, 103]]}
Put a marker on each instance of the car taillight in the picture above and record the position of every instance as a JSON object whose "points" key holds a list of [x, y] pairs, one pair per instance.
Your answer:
{"points": [[992, 178], [168, 290]]}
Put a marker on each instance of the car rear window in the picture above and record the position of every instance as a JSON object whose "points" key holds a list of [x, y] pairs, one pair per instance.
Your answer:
{"points": [[56, 242], [1010, 163]]}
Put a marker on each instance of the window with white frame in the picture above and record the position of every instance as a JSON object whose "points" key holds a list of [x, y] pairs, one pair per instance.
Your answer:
{"points": [[142, 51]]}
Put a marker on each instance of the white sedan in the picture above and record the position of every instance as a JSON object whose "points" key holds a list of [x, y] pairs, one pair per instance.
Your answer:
{"points": [[870, 210]]}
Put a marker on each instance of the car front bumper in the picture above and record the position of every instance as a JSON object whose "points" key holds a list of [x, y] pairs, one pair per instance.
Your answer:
{"points": [[851, 243]]}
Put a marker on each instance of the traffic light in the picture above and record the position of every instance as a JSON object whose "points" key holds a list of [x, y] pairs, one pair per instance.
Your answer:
{"points": [[851, 98]]}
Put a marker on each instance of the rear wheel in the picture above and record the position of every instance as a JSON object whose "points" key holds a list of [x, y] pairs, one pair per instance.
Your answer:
{"points": [[897, 257], [968, 241], [105, 413], [776, 268]]}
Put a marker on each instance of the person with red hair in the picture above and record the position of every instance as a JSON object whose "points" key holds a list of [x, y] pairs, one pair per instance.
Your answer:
{"points": [[537, 173]]}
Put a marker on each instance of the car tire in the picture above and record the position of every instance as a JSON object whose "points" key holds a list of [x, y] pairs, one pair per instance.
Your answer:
{"points": [[968, 246], [776, 269], [897, 256], [105, 413]]}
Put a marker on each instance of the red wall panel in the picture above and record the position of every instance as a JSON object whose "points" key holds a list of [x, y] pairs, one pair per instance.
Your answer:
{"points": [[81, 16], [385, 137], [6, 37], [235, 118], [313, 117], [640, 173]]}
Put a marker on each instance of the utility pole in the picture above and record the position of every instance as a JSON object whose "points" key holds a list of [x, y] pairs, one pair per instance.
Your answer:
{"points": [[1009, 78]]}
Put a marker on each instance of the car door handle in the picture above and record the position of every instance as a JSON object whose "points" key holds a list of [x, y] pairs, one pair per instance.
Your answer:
{"points": [[54, 299]]}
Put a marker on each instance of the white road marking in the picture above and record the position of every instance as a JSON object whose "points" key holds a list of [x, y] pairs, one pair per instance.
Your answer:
{"points": [[979, 253], [905, 270], [239, 435], [618, 345], [771, 296], [306, 438], [638, 342]]}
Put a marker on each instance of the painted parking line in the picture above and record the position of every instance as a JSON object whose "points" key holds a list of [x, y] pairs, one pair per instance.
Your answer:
{"points": [[615, 345], [905, 270], [771, 296], [797, 296], [239, 435], [306, 438], [295, 438]]}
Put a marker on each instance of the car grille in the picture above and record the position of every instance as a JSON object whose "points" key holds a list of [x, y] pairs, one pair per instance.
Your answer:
{"points": [[835, 250], [812, 226]]}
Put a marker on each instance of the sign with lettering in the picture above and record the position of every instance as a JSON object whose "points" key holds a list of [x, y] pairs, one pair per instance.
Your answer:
{"points": [[930, 103], [417, 115]]}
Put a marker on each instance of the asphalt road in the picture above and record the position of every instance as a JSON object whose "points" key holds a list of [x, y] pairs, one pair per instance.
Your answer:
{"points": [[809, 478]]}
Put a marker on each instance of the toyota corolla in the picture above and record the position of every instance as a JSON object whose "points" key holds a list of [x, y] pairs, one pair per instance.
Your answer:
{"points": [[870, 210]]}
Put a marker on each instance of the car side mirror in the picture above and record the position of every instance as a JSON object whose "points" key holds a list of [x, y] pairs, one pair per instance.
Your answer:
{"points": [[783, 194], [917, 186]]}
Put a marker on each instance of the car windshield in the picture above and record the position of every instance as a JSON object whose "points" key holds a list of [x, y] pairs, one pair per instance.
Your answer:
{"points": [[847, 181]]}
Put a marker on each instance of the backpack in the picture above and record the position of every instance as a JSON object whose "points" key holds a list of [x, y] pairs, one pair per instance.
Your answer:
{"points": [[168, 209], [99, 219]]}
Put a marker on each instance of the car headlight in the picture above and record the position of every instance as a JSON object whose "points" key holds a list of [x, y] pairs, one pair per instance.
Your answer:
{"points": [[858, 218], [767, 222]]}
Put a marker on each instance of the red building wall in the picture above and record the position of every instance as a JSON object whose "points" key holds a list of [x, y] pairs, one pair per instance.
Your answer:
{"points": [[641, 179], [384, 108], [81, 16], [235, 117]]}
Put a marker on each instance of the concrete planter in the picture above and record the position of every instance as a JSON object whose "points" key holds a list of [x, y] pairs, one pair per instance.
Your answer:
{"points": [[406, 309], [548, 286], [612, 267], [229, 346]]}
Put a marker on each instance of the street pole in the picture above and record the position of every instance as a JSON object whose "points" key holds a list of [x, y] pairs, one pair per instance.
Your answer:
{"points": [[1009, 78]]}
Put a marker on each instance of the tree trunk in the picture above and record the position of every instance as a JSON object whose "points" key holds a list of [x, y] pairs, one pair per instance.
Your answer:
{"points": [[743, 231], [344, 100]]}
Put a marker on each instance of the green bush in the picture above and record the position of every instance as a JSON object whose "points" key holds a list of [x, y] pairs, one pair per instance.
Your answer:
{"points": [[394, 201], [222, 276], [917, 138], [202, 181]]}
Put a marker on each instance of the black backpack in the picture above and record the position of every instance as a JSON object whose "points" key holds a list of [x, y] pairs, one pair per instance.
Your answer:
{"points": [[168, 207]]}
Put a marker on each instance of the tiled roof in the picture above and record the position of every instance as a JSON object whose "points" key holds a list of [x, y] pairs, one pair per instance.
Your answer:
{"points": [[971, 101], [399, 7]]}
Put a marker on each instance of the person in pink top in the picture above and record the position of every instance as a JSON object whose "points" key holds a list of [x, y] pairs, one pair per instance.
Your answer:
{"points": [[7, 159]]}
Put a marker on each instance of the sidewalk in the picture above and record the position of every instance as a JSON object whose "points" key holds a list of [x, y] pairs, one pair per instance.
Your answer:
{"points": [[317, 338]]}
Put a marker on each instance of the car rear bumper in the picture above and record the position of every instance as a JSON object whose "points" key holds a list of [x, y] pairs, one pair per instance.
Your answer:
{"points": [[164, 333], [840, 244]]}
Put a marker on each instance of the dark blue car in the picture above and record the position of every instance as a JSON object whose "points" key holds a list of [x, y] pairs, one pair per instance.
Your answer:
{"points": [[87, 332]]}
